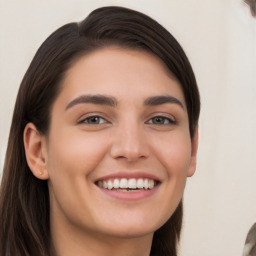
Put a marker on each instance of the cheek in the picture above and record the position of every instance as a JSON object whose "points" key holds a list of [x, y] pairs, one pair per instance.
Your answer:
{"points": [[72, 157], [175, 153], [76, 153]]}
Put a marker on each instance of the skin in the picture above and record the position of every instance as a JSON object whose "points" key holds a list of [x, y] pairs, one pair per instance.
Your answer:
{"points": [[128, 139]]}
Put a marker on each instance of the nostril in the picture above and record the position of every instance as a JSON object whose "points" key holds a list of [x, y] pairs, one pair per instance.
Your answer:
{"points": [[129, 154], [130, 145]]}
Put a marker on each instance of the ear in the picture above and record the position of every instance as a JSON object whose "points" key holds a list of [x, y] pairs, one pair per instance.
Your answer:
{"points": [[35, 150], [194, 146]]}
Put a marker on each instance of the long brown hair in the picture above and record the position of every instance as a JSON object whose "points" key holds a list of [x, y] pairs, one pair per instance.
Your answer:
{"points": [[24, 199]]}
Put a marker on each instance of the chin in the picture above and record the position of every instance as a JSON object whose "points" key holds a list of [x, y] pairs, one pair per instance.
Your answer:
{"points": [[131, 232], [133, 229]]}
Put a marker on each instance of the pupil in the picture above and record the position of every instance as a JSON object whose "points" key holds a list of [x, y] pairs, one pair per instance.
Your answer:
{"points": [[159, 120], [94, 119]]}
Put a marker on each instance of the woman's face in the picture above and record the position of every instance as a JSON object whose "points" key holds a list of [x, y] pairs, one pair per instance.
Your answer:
{"points": [[119, 121]]}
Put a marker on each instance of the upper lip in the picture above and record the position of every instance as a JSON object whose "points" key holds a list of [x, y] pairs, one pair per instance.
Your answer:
{"points": [[129, 175]]}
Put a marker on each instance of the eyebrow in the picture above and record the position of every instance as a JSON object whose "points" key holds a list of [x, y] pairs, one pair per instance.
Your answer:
{"points": [[99, 99], [159, 100], [94, 99]]}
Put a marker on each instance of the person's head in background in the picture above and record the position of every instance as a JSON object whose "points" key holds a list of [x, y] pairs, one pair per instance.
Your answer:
{"points": [[103, 136]]}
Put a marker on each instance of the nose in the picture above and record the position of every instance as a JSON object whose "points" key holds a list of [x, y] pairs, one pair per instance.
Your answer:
{"points": [[130, 143]]}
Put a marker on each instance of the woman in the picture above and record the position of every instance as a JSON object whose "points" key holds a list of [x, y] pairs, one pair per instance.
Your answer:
{"points": [[103, 136]]}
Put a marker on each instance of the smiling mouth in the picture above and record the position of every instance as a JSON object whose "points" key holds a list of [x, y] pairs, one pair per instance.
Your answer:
{"points": [[127, 185]]}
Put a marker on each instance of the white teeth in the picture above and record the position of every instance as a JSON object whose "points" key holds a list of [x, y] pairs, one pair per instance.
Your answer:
{"points": [[140, 183], [146, 183], [105, 184], [150, 184], [110, 185], [116, 183], [125, 184], [132, 183]]}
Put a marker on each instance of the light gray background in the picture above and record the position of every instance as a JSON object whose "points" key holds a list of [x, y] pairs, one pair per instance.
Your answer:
{"points": [[219, 37]]}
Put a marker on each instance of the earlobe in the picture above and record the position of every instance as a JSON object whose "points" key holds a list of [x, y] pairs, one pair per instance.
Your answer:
{"points": [[35, 150], [194, 146]]}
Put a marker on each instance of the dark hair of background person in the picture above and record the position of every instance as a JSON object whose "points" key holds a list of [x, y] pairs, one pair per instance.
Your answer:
{"points": [[24, 199]]}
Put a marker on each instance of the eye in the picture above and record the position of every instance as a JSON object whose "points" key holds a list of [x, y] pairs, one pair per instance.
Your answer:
{"points": [[93, 120], [161, 120]]}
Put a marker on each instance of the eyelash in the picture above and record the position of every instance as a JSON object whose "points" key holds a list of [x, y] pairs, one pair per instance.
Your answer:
{"points": [[163, 118], [167, 121], [86, 120]]}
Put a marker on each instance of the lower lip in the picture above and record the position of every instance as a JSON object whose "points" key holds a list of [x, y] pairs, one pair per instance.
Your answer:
{"points": [[130, 196]]}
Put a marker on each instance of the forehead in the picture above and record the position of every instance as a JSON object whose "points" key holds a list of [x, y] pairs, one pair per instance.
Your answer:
{"points": [[122, 72]]}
